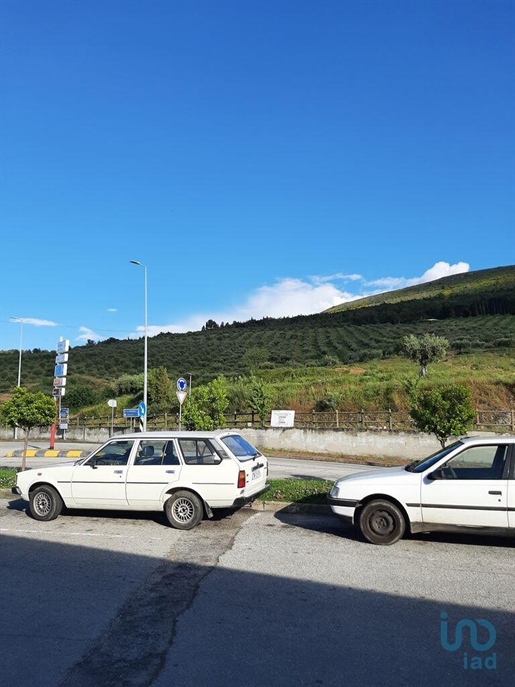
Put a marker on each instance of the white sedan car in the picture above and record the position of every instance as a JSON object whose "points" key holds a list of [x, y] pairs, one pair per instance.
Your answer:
{"points": [[185, 474], [469, 484]]}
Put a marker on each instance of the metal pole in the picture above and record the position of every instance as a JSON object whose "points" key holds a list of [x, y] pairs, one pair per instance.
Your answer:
{"points": [[18, 319], [19, 357], [145, 374], [145, 357]]}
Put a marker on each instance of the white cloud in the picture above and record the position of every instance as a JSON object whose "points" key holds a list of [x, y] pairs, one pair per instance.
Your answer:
{"points": [[339, 276], [289, 297], [439, 270], [112, 310], [34, 322], [88, 334]]}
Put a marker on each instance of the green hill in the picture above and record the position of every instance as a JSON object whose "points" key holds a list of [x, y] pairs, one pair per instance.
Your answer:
{"points": [[474, 311], [484, 292]]}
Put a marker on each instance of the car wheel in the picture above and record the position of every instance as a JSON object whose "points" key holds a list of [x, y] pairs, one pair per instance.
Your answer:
{"points": [[45, 503], [184, 510], [382, 522]]}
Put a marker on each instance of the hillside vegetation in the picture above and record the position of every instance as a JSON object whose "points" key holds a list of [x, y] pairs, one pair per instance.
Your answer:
{"points": [[353, 352]]}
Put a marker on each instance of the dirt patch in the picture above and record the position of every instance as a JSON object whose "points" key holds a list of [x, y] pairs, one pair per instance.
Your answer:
{"points": [[379, 461]]}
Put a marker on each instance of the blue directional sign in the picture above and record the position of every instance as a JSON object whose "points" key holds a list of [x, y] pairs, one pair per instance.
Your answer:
{"points": [[130, 412], [182, 384], [142, 409], [60, 370]]}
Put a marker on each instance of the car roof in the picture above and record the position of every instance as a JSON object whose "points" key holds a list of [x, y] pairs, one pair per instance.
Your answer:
{"points": [[169, 434], [476, 438]]}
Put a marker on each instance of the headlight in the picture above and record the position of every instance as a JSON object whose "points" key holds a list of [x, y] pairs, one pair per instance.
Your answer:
{"points": [[335, 492]]}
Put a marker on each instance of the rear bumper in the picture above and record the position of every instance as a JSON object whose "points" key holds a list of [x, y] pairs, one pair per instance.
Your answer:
{"points": [[242, 500]]}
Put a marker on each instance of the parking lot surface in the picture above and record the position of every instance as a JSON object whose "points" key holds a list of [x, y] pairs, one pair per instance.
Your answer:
{"points": [[248, 599]]}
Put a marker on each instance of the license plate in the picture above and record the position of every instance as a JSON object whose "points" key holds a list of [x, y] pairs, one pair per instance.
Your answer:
{"points": [[256, 474]]}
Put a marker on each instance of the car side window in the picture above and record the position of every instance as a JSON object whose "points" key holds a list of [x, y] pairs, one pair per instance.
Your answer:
{"points": [[114, 453], [150, 452], [198, 452], [478, 462], [170, 456]]}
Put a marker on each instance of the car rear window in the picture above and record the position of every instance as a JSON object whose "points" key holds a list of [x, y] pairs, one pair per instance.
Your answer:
{"points": [[240, 447]]}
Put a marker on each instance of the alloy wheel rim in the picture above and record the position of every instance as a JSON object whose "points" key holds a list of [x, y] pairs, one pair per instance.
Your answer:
{"points": [[42, 504], [183, 510]]}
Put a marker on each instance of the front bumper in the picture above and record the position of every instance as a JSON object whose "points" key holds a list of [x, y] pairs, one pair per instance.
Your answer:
{"points": [[343, 508], [16, 490], [242, 500], [343, 503]]}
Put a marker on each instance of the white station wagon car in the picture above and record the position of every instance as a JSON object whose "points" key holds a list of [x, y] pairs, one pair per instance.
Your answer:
{"points": [[469, 484], [186, 474]]}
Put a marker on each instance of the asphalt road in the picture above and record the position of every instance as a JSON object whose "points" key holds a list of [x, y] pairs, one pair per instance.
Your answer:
{"points": [[279, 468], [251, 599]]}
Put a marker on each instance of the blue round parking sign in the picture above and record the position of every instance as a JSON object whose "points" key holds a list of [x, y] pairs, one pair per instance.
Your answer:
{"points": [[182, 384]]}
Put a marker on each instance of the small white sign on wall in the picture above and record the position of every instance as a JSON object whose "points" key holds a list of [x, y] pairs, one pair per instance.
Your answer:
{"points": [[282, 418]]}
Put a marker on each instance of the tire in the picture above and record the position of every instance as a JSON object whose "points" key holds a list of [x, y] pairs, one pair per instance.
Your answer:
{"points": [[184, 510], [45, 503], [382, 522]]}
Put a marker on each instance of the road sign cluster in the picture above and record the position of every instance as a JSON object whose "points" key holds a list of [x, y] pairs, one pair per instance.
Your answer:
{"points": [[61, 368]]}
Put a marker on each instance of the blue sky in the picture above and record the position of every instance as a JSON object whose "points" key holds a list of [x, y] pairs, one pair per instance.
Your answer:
{"points": [[261, 158]]}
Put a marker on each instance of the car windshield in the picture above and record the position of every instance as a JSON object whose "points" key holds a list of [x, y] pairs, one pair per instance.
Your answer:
{"points": [[240, 447], [425, 463]]}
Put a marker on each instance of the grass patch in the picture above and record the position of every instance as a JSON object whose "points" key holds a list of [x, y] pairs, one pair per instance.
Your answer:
{"points": [[7, 478], [297, 490]]}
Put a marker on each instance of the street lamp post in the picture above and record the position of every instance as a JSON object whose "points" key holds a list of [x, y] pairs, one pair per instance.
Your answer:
{"points": [[190, 376], [20, 320], [145, 360]]}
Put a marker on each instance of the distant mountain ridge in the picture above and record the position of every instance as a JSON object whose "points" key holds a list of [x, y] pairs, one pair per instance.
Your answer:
{"points": [[481, 292]]}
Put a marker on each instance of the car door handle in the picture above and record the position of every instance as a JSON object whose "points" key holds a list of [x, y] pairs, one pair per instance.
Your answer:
{"points": [[495, 493], [170, 472], [118, 472]]}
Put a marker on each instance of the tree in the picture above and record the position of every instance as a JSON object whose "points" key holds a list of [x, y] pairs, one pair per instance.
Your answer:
{"points": [[424, 350], [129, 384], [28, 410], [206, 405], [444, 412], [81, 396], [159, 390], [254, 357], [260, 399]]}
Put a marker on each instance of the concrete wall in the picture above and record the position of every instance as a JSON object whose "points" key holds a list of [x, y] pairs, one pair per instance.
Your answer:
{"points": [[405, 445], [409, 445]]}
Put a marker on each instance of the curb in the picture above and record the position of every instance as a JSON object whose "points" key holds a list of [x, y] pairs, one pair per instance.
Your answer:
{"points": [[290, 507], [46, 453]]}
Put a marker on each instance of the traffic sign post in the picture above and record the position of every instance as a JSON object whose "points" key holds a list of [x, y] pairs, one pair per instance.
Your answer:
{"points": [[112, 404], [181, 396], [59, 387]]}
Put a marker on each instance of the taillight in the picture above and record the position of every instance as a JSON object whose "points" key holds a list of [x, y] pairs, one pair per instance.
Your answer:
{"points": [[241, 479]]}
